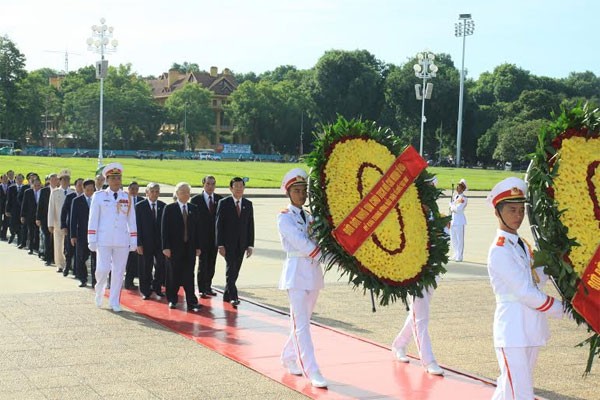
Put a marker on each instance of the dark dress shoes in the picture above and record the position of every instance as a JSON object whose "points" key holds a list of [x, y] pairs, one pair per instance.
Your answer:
{"points": [[11, 239], [144, 297], [159, 293], [30, 252], [21, 246], [235, 303], [211, 293], [83, 284], [172, 305], [204, 296], [194, 307]]}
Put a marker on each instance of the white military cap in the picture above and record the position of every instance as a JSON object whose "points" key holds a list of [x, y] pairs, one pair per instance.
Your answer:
{"points": [[296, 176], [112, 169], [463, 182], [510, 190], [64, 173]]}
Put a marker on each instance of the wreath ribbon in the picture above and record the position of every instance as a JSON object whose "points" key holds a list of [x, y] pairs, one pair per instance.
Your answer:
{"points": [[368, 214]]}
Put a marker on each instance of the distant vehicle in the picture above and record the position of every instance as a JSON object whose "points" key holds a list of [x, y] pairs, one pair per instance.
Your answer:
{"points": [[6, 151], [145, 154], [86, 154], [204, 156], [46, 153], [216, 157], [508, 166]]}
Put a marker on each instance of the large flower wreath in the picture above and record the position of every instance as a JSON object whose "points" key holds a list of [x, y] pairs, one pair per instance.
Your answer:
{"points": [[408, 249], [564, 179]]}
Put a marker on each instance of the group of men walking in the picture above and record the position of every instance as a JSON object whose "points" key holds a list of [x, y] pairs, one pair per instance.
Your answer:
{"points": [[123, 235]]}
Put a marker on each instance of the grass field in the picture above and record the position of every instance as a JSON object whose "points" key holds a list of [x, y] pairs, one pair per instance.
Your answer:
{"points": [[261, 174]]}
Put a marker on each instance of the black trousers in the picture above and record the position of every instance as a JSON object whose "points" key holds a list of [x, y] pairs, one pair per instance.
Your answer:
{"points": [[15, 227], [206, 269], [234, 259], [48, 244], [180, 272], [69, 251], [131, 269], [152, 258], [23, 234], [33, 235], [82, 253]]}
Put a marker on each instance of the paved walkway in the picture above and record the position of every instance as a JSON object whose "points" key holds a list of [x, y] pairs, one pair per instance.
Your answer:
{"points": [[55, 344]]}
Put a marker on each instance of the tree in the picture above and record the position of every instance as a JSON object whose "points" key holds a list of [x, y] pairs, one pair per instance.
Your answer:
{"points": [[516, 139], [348, 83], [40, 103], [186, 67], [267, 114], [130, 117], [190, 107], [12, 72]]}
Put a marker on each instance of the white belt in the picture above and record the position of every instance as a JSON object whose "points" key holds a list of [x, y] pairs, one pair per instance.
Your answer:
{"points": [[506, 298], [296, 254]]}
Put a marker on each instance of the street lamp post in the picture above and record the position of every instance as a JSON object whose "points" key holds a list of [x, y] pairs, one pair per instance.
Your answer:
{"points": [[99, 43], [301, 134], [424, 69], [464, 28]]}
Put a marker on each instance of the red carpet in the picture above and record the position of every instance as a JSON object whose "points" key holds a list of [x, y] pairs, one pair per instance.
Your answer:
{"points": [[253, 335]]}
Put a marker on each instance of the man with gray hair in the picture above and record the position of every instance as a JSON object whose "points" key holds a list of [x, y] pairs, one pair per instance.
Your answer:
{"points": [[148, 215], [180, 238]]}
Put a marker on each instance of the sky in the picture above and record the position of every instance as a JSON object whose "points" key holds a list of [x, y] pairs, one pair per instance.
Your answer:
{"points": [[548, 38]]}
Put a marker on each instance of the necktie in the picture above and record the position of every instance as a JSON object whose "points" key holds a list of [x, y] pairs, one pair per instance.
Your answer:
{"points": [[302, 215], [154, 210], [520, 242], [65, 192], [115, 195], [89, 201], [237, 207], [185, 225], [211, 204]]}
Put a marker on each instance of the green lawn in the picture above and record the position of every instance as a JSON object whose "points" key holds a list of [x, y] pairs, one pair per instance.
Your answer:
{"points": [[261, 174]]}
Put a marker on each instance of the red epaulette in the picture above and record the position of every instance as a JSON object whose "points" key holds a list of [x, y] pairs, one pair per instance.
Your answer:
{"points": [[284, 211], [500, 241]]}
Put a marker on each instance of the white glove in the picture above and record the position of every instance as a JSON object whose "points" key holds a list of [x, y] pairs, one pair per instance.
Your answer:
{"points": [[93, 246]]}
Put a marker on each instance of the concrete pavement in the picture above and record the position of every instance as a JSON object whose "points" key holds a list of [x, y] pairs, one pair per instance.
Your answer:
{"points": [[56, 344]]}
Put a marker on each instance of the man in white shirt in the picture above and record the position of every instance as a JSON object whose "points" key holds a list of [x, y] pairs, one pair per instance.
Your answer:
{"points": [[457, 226]]}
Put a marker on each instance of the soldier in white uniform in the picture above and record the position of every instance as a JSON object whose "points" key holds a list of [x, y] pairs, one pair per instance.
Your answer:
{"points": [[55, 204], [112, 233], [520, 324], [457, 226], [302, 277], [417, 325]]}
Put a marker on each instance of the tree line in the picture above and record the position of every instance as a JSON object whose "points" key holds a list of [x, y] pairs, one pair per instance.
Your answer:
{"points": [[503, 109]]}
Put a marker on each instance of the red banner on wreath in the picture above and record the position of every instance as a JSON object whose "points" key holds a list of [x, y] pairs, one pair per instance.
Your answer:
{"points": [[587, 299], [377, 204]]}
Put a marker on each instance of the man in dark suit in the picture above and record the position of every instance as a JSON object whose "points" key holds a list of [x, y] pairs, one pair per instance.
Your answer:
{"points": [[180, 237], [133, 260], [13, 209], [207, 207], [65, 214], [78, 227], [235, 235], [41, 218], [3, 217], [28, 212], [148, 214], [24, 231]]}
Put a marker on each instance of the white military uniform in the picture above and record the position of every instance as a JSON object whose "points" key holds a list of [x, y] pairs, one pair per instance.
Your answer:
{"points": [[302, 277], [112, 232], [520, 325], [417, 325], [457, 226], [55, 204]]}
